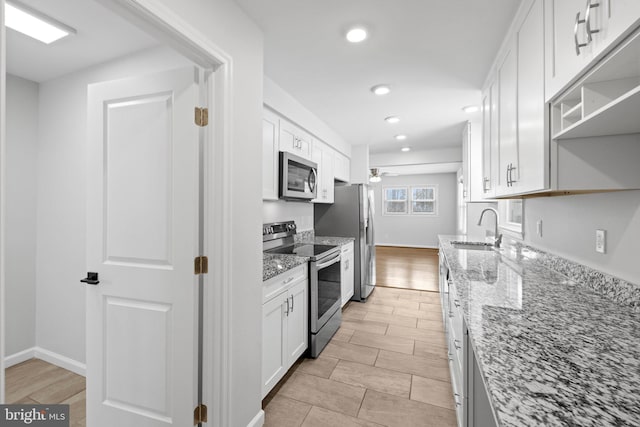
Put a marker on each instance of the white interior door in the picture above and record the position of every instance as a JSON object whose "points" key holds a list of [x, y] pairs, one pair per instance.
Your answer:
{"points": [[143, 226]]}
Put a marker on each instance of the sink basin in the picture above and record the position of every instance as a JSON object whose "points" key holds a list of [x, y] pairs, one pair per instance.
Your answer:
{"points": [[474, 246]]}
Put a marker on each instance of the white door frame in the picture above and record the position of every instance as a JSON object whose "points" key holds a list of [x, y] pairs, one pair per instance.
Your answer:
{"points": [[162, 23]]}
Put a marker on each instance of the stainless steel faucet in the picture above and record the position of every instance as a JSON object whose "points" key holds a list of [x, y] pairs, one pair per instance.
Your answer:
{"points": [[498, 237]]}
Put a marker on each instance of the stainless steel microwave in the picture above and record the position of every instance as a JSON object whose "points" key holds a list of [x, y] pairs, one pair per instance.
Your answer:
{"points": [[298, 177]]}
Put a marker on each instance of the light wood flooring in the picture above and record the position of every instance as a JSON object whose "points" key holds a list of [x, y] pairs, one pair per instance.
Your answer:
{"points": [[386, 366], [39, 382], [412, 268]]}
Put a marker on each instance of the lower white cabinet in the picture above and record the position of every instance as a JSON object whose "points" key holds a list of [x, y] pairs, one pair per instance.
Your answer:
{"points": [[347, 277], [285, 322], [471, 401]]}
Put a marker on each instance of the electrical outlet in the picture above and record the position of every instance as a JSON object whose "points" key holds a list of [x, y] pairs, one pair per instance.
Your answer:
{"points": [[539, 228], [601, 241]]}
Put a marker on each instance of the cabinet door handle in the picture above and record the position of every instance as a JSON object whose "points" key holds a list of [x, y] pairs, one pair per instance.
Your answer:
{"points": [[287, 311], [575, 34], [511, 175], [587, 19], [288, 280], [291, 302], [485, 181], [456, 344], [508, 168], [456, 303]]}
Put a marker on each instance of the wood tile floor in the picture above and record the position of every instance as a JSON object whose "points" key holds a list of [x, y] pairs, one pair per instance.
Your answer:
{"points": [[386, 366], [412, 268], [39, 382]]}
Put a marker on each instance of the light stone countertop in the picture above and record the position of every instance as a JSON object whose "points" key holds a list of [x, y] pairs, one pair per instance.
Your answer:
{"points": [[274, 264], [553, 351]]}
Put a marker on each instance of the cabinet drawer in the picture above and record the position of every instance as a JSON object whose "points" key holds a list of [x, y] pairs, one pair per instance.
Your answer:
{"points": [[347, 248], [275, 285], [455, 313]]}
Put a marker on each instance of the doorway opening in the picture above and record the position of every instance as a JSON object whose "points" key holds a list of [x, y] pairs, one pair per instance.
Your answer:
{"points": [[48, 213]]}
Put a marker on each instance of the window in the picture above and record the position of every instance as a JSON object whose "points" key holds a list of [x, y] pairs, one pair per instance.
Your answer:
{"points": [[511, 217], [395, 201], [414, 200], [423, 200]]}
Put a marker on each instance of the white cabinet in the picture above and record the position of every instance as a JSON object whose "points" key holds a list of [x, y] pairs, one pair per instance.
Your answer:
{"points": [[341, 167], [490, 145], [507, 168], [270, 129], [284, 324], [532, 173], [578, 31], [323, 155], [347, 276], [294, 140], [515, 154], [472, 162]]}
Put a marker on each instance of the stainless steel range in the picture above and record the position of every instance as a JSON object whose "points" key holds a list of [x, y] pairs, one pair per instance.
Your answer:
{"points": [[324, 280]]}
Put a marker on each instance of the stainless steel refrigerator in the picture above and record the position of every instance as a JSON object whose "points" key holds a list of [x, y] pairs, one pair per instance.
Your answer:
{"points": [[351, 215]]}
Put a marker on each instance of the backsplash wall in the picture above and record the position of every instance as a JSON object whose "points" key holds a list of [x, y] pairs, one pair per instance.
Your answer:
{"points": [[569, 225], [281, 210]]}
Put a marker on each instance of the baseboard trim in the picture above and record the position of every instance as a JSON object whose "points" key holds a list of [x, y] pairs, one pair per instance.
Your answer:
{"points": [[258, 420], [19, 357], [61, 361], [395, 245]]}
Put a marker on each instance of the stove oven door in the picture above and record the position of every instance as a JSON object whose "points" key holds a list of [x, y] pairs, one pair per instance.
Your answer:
{"points": [[324, 290]]}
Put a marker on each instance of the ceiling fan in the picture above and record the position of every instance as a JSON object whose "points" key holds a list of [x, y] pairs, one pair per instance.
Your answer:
{"points": [[376, 175]]}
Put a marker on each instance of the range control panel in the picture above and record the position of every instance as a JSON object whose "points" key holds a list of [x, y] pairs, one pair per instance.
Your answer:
{"points": [[276, 230]]}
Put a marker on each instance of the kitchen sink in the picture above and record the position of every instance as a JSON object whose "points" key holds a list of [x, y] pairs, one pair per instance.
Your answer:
{"points": [[474, 246]]}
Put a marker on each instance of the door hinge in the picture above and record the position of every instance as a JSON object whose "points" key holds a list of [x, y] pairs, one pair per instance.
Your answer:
{"points": [[202, 116], [201, 265], [200, 414]]}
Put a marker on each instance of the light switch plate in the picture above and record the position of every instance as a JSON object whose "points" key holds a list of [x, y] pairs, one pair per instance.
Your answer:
{"points": [[601, 241]]}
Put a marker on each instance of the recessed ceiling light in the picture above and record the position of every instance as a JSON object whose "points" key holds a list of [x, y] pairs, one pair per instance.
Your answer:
{"points": [[381, 89], [34, 24], [401, 137], [356, 35], [471, 109], [405, 149], [392, 119]]}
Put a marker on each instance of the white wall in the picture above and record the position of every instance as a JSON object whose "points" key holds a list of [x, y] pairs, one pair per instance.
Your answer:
{"points": [[20, 273], [281, 210], [416, 230], [360, 164], [225, 25], [569, 225], [61, 222]]}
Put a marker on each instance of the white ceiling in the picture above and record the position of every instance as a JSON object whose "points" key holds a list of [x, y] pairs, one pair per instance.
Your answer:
{"points": [[434, 54], [101, 36]]}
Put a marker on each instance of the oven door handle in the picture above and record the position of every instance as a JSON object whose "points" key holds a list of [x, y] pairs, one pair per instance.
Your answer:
{"points": [[328, 263]]}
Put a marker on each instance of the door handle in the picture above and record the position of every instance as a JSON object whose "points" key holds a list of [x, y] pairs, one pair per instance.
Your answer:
{"points": [[91, 279]]}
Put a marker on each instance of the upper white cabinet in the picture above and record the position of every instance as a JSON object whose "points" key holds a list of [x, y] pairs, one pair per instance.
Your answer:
{"points": [[532, 118], [323, 155], [341, 167], [490, 146], [472, 162], [508, 169], [270, 129], [578, 31], [294, 140]]}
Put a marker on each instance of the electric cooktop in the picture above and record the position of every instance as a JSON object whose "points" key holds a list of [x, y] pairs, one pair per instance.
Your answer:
{"points": [[304, 249]]}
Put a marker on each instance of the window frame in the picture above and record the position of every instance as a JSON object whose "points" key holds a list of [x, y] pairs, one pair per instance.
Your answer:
{"points": [[433, 187], [512, 229], [384, 200]]}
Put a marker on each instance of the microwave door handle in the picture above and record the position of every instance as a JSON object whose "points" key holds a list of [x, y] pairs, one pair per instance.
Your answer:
{"points": [[315, 179], [328, 263]]}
